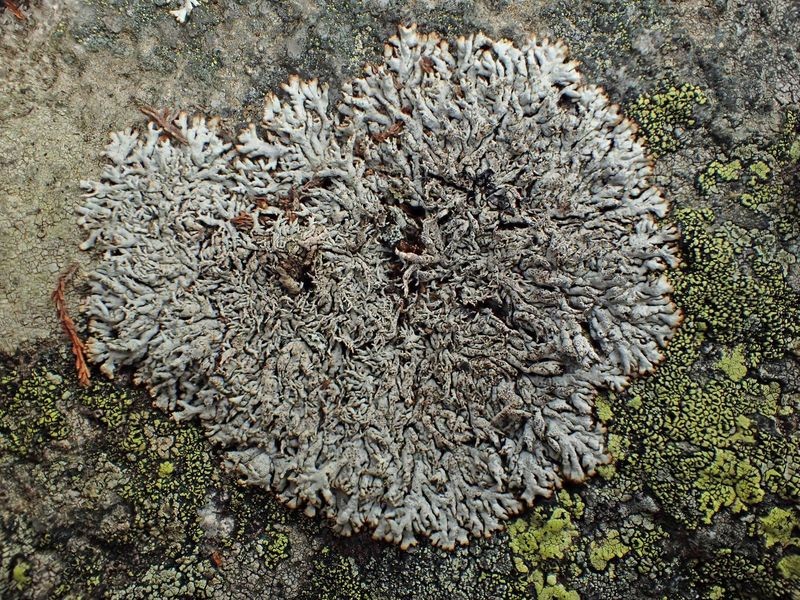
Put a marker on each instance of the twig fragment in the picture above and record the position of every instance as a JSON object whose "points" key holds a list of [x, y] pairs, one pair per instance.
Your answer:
{"points": [[243, 221], [165, 119], [69, 325], [393, 130], [216, 558], [426, 64]]}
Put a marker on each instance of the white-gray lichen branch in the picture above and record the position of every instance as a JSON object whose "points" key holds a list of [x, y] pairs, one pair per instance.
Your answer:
{"points": [[397, 311]]}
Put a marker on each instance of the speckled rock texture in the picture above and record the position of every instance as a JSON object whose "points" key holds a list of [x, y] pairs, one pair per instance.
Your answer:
{"points": [[103, 495]]}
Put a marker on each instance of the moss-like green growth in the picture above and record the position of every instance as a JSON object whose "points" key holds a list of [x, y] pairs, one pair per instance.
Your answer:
{"points": [[29, 412], [663, 115]]}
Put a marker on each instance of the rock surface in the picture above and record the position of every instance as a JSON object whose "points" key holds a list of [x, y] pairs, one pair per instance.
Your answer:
{"points": [[103, 496]]}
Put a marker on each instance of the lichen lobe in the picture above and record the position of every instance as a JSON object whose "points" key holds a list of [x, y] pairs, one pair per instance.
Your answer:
{"points": [[396, 311]]}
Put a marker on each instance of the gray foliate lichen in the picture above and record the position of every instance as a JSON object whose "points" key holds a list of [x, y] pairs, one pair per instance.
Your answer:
{"points": [[398, 311]]}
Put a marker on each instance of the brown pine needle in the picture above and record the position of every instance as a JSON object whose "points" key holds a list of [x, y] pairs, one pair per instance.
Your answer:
{"points": [[69, 325], [14, 9]]}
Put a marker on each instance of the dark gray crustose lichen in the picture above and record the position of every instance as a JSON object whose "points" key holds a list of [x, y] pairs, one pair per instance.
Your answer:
{"points": [[397, 311]]}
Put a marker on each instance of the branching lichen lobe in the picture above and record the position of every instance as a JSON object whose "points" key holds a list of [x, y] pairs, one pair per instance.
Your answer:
{"points": [[396, 312]]}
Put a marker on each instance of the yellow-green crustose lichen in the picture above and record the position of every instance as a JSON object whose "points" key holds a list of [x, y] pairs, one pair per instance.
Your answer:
{"points": [[171, 471], [663, 115], [789, 567], [337, 577], [705, 443], [273, 548], [762, 179], [719, 172], [29, 412], [147, 480], [780, 527], [706, 433], [602, 551], [735, 285], [732, 363], [20, 575], [541, 542]]}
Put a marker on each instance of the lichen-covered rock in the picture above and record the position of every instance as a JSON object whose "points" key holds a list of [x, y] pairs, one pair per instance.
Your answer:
{"points": [[396, 312]]}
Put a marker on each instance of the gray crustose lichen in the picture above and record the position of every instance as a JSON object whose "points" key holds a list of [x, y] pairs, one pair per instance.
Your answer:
{"points": [[396, 311]]}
